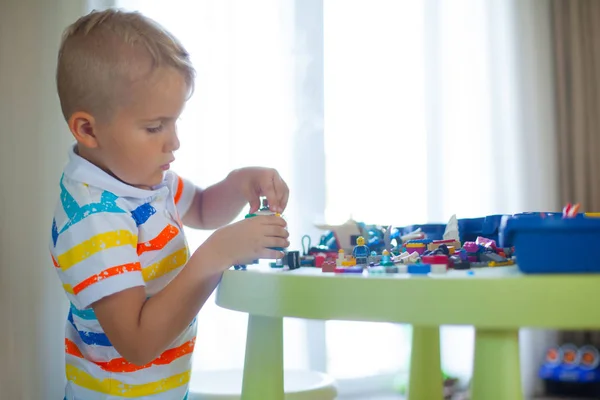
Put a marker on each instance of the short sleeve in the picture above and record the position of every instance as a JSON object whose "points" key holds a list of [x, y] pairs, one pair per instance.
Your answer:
{"points": [[97, 256], [183, 194]]}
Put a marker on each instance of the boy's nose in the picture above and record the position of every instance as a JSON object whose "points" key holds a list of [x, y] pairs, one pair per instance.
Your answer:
{"points": [[173, 143]]}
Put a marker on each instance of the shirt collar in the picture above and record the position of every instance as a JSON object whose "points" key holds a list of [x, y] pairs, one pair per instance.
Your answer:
{"points": [[80, 169]]}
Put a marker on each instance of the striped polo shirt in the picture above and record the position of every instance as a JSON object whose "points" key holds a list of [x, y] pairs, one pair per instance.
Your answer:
{"points": [[108, 236]]}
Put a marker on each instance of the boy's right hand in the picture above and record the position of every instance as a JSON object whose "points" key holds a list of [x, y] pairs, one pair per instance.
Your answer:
{"points": [[250, 239]]}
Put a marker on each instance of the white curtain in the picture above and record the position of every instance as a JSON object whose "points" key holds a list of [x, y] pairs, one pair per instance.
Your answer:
{"points": [[241, 114], [434, 108], [430, 108]]}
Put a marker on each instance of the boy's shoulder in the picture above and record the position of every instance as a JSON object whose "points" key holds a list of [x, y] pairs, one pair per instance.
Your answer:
{"points": [[86, 189]]}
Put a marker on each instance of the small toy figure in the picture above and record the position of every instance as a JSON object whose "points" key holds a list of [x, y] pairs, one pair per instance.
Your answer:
{"points": [[373, 258], [386, 260], [360, 251], [264, 210]]}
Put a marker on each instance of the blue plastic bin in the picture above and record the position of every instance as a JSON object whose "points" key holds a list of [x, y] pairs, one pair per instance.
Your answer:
{"points": [[554, 244], [488, 227]]}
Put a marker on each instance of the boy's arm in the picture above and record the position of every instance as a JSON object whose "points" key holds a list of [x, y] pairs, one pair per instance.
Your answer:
{"points": [[141, 329], [215, 206], [220, 203]]}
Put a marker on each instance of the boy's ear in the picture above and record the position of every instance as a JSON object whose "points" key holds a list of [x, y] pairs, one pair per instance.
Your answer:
{"points": [[83, 128]]}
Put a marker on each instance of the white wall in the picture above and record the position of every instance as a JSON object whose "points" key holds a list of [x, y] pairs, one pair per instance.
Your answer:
{"points": [[33, 143]]}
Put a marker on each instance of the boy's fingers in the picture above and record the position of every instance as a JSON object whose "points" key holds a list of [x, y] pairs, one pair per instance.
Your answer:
{"points": [[276, 220], [276, 242], [285, 198], [277, 231], [269, 189], [270, 220], [283, 192], [254, 205], [270, 254]]}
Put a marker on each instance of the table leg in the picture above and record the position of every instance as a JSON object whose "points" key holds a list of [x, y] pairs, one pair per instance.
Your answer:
{"points": [[496, 371], [425, 375], [263, 365]]}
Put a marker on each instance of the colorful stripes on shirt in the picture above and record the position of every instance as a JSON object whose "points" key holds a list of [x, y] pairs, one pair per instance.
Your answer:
{"points": [[107, 237]]}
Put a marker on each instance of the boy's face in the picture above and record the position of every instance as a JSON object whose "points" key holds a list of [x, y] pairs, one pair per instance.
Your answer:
{"points": [[137, 145]]}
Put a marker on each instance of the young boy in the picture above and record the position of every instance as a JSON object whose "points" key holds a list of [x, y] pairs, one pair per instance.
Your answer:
{"points": [[117, 236]]}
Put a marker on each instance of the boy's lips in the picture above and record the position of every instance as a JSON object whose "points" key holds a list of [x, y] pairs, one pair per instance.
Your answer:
{"points": [[166, 166]]}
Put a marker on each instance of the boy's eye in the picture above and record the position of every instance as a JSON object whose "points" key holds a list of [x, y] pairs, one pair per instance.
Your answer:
{"points": [[154, 129]]}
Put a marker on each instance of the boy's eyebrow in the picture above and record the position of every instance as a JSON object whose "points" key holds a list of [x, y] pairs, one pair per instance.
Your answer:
{"points": [[162, 119]]}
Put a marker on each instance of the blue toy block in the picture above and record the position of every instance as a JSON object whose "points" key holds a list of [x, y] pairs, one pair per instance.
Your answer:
{"points": [[422, 269], [352, 270]]}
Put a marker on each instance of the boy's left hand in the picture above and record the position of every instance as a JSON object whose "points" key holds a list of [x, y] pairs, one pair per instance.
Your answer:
{"points": [[254, 182]]}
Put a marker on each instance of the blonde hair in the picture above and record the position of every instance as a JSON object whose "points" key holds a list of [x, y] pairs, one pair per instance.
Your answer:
{"points": [[104, 52]]}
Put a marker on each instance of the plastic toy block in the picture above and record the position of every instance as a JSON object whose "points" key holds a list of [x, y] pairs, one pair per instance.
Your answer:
{"points": [[412, 258], [319, 259], [417, 247], [373, 259], [479, 264], [419, 241], [462, 265], [391, 270], [439, 268], [401, 257], [491, 257], [293, 259], [435, 259], [471, 247], [437, 243], [402, 268], [328, 266], [349, 270], [344, 261], [485, 242], [307, 261], [501, 264], [377, 270], [275, 265], [422, 269]]}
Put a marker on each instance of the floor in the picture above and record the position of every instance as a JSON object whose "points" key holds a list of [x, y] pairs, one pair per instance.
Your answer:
{"points": [[374, 397], [398, 397]]}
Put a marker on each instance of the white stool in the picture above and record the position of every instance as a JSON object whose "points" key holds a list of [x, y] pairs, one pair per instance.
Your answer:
{"points": [[227, 385]]}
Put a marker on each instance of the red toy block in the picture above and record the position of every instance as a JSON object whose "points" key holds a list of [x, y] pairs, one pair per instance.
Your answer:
{"points": [[436, 259], [319, 259], [328, 266]]}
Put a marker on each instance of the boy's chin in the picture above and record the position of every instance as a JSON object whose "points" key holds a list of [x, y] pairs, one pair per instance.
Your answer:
{"points": [[158, 180], [150, 184]]}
